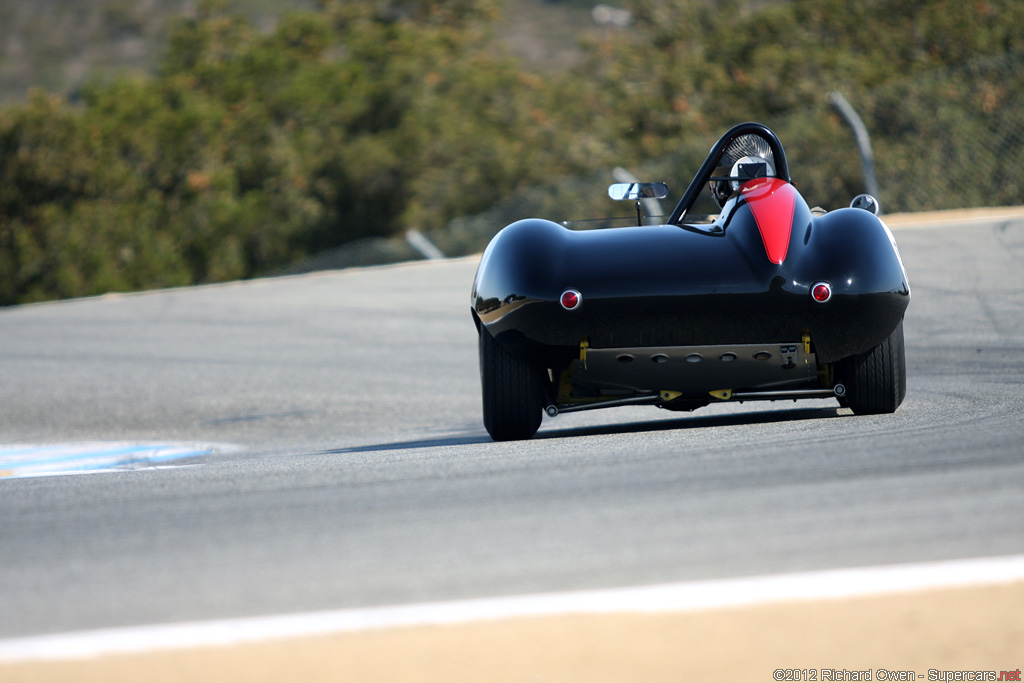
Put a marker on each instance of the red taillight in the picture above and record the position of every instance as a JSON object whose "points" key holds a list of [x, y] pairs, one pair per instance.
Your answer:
{"points": [[821, 292], [571, 299]]}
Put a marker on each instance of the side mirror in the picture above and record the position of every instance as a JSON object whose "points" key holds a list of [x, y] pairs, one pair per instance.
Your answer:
{"points": [[637, 191], [868, 203]]}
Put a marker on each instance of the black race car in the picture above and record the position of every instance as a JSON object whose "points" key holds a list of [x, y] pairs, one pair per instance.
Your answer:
{"points": [[766, 299]]}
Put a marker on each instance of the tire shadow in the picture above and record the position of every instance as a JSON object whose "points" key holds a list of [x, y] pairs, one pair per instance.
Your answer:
{"points": [[683, 423]]}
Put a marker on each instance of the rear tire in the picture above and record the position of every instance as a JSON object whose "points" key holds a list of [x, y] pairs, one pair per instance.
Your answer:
{"points": [[876, 381], [513, 395]]}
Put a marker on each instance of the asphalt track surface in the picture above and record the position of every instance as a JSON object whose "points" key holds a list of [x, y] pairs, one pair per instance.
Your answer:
{"points": [[349, 468]]}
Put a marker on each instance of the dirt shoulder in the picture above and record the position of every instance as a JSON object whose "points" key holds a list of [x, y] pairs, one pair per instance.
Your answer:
{"points": [[894, 220], [961, 629]]}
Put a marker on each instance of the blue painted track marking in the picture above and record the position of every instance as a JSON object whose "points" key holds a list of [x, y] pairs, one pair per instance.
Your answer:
{"points": [[25, 460]]}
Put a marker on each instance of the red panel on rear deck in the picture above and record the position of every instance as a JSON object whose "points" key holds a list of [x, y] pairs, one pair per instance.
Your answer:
{"points": [[772, 201]]}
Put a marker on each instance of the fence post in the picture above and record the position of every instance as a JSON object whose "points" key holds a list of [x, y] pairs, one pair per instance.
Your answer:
{"points": [[423, 246], [860, 134]]}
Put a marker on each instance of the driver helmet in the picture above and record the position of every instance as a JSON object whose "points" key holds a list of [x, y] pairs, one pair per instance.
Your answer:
{"points": [[749, 156]]}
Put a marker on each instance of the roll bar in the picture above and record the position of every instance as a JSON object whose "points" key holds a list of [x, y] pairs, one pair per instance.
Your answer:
{"points": [[708, 168]]}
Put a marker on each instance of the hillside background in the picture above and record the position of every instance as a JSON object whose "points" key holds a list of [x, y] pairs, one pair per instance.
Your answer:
{"points": [[59, 45], [151, 143]]}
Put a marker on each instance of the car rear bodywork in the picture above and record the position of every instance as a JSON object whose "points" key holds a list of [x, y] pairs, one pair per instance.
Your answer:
{"points": [[763, 300]]}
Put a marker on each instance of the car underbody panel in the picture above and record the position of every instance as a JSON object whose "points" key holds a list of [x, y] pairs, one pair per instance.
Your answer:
{"points": [[696, 370]]}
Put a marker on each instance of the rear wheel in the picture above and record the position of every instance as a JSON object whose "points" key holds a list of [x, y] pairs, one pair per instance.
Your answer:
{"points": [[513, 395], [876, 381]]}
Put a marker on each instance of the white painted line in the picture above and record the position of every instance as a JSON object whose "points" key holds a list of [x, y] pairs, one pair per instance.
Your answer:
{"points": [[679, 597]]}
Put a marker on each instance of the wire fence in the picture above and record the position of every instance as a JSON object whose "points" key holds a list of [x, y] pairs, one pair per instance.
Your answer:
{"points": [[951, 139]]}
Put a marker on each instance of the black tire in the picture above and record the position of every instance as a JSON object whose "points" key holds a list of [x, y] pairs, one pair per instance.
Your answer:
{"points": [[513, 395], [876, 381]]}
